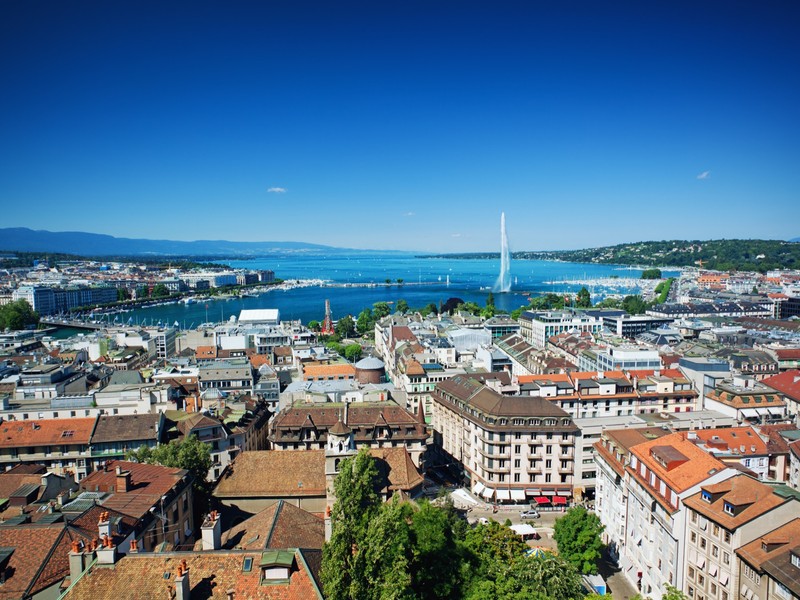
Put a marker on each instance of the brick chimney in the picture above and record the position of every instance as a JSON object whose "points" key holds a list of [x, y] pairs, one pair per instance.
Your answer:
{"points": [[211, 531], [77, 561], [123, 480], [183, 589], [107, 552], [104, 525], [134, 547]]}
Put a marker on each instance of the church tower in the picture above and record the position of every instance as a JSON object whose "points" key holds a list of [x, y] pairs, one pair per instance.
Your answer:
{"points": [[340, 446]]}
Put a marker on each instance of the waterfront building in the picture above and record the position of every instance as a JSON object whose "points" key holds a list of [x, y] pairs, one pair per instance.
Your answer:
{"points": [[630, 326]]}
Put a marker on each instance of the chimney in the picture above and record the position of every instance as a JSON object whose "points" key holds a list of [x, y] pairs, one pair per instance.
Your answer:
{"points": [[182, 587], [346, 410], [230, 593], [134, 548], [211, 531], [123, 481], [77, 561], [104, 525], [107, 552]]}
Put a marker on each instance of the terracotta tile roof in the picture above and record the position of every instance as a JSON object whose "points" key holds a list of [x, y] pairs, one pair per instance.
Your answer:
{"points": [[274, 474], [788, 383], [123, 428], [211, 575], [256, 360], [397, 468], [738, 440], [699, 466], [149, 484], [301, 473], [776, 443], [402, 333], [788, 353], [205, 352], [737, 401], [88, 520], [544, 378], [11, 482], [750, 499], [282, 525], [40, 557], [47, 432], [781, 539], [334, 370]]}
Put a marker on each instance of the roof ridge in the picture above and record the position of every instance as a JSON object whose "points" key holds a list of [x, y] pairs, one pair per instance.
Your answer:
{"points": [[278, 510]]}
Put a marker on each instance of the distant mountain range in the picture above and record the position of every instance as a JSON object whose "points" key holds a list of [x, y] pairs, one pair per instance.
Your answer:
{"points": [[22, 239], [797, 239]]}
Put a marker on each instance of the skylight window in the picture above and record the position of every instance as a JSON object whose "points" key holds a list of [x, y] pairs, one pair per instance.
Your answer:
{"points": [[67, 434], [247, 564]]}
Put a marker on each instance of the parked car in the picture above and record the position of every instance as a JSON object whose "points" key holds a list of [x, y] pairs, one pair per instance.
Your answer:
{"points": [[529, 514]]}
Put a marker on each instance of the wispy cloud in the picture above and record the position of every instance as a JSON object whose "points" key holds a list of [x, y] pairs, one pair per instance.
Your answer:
{"points": [[704, 175], [455, 235], [276, 190], [409, 214]]}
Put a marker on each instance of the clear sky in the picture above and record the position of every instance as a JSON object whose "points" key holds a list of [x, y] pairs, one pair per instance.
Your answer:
{"points": [[402, 125]]}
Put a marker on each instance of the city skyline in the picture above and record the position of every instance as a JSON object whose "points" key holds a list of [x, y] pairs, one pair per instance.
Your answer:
{"points": [[404, 127]]}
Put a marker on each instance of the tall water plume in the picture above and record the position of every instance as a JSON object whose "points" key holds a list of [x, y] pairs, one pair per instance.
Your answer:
{"points": [[503, 283]]}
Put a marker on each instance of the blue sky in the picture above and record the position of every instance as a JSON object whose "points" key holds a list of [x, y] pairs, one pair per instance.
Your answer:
{"points": [[402, 125]]}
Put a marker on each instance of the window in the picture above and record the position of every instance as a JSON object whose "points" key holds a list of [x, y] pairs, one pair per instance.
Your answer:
{"points": [[728, 508], [726, 558], [714, 551], [691, 572], [693, 537], [703, 542]]}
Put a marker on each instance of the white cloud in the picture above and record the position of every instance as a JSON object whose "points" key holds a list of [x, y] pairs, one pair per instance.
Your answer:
{"points": [[455, 235], [704, 175], [276, 190], [409, 214]]}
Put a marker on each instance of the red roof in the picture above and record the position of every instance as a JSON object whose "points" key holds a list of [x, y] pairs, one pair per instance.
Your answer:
{"points": [[788, 354], [47, 432], [787, 383]]}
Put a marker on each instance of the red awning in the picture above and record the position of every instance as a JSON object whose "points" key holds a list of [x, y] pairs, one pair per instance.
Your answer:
{"points": [[542, 500], [559, 500]]}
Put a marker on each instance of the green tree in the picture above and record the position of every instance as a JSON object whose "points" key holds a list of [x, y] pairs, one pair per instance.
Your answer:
{"points": [[314, 325], [673, 593], [490, 300], [190, 454], [434, 545], [634, 305], [651, 274], [345, 327], [345, 569], [352, 352], [381, 309], [400, 281], [402, 306], [160, 291], [123, 294], [470, 307], [609, 303], [365, 321], [577, 534], [142, 292], [583, 299], [429, 309], [17, 315]]}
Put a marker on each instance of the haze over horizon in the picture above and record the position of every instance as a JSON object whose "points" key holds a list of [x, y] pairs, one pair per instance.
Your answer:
{"points": [[402, 126]]}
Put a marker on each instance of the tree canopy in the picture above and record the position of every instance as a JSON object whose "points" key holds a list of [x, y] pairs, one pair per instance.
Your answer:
{"points": [[577, 534], [17, 315], [190, 454], [345, 327], [420, 551]]}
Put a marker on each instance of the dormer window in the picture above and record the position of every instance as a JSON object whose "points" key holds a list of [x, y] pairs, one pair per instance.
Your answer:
{"points": [[706, 496], [796, 560], [276, 566], [728, 508]]}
